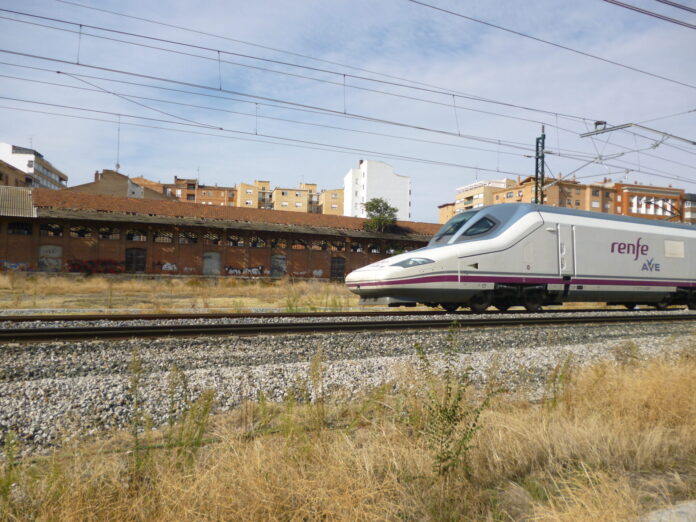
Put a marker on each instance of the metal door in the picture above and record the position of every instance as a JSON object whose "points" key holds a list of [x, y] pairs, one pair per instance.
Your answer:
{"points": [[211, 263], [135, 260], [50, 258], [279, 265], [566, 249], [338, 267]]}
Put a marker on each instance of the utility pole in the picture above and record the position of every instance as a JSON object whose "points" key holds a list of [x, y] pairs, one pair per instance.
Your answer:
{"points": [[539, 169]]}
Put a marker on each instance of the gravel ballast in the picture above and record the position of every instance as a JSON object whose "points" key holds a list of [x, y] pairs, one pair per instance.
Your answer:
{"points": [[53, 391]]}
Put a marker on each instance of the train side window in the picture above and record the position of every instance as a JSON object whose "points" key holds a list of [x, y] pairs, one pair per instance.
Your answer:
{"points": [[482, 226]]}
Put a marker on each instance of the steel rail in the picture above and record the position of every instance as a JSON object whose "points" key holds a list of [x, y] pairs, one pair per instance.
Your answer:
{"points": [[248, 329], [276, 315]]}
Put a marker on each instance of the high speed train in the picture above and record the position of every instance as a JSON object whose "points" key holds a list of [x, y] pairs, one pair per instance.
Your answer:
{"points": [[532, 255]]}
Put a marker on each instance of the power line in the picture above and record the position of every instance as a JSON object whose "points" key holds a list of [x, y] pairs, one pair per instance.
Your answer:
{"points": [[278, 62], [255, 115], [651, 13], [674, 4], [304, 144], [322, 110], [431, 86], [564, 47], [668, 116]]}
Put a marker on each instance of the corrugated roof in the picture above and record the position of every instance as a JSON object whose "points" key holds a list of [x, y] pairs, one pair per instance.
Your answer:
{"points": [[66, 200], [16, 202]]}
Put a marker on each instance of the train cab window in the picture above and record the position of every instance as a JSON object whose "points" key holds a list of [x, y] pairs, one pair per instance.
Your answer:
{"points": [[452, 227], [482, 226]]}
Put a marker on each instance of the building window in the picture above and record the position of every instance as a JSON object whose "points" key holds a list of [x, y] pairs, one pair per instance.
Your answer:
{"points": [[334, 206], [374, 248], [299, 244], [19, 228], [519, 194], [319, 245], [211, 238], [51, 230], [607, 194], [190, 197], [334, 195], [297, 194], [257, 242], [190, 186], [80, 231], [109, 233], [187, 238], [163, 236], [283, 193], [508, 195], [595, 204], [235, 240], [284, 204], [249, 191], [178, 193], [577, 202], [298, 204], [595, 193], [135, 234], [279, 242], [248, 202]]}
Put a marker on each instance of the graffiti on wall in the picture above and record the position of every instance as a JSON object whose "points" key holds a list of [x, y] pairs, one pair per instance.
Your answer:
{"points": [[96, 266], [247, 271], [13, 266], [314, 273], [169, 267]]}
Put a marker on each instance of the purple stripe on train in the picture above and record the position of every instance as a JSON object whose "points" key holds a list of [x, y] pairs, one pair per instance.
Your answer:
{"points": [[453, 278]]}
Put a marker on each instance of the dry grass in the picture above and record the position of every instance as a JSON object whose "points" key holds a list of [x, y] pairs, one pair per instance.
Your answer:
{"points": [[615, 441], [113, 293]]}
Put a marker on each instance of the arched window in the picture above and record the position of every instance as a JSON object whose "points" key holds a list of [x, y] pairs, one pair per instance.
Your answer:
{"points": [[80, 231], [187, 238], [109, 233], [235, 240], [19, 228], [135, 234], [356, 247], [374, 248], [299, 244], [320, 245], [51, 230], [211, 238], [257, 242], [338, 246], [279, 242], [163, 236]]}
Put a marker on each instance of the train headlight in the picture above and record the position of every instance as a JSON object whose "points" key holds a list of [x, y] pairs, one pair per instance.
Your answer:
{"points": [[413, 261]]}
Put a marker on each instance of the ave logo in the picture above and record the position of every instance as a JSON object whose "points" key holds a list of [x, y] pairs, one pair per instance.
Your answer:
{"points": [[651, 266]]}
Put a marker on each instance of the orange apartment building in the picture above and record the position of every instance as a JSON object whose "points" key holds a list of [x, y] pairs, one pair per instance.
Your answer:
{"points": [[647, 201], [331, 202]]}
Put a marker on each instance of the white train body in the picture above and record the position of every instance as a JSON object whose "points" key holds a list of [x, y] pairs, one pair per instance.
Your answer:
{"points": [[522, 254]]}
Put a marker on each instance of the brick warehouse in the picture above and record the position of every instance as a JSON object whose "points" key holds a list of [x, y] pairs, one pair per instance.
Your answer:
{"points": [[53, 231]]}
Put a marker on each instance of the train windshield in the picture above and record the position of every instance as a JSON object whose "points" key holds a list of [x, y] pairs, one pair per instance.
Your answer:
{"points": [[452, 227]]}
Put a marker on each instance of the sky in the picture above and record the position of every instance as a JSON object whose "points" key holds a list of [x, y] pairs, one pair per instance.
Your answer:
{"points": [[292, 92]]}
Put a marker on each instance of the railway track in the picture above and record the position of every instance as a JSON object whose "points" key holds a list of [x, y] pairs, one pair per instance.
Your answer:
{"points": [[299, 315], [247, 329]]}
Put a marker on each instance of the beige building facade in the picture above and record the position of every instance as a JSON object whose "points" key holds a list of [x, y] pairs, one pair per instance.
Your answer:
{"points": [[331, 202]]}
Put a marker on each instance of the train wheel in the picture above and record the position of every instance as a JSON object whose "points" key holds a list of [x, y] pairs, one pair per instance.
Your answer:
{"points": [[692, 304], [479, 303], [450, 307], [533, 301], [629, 306], [503, 304], [662, 305]]}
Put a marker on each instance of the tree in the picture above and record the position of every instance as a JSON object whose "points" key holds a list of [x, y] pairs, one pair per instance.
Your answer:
{"points": [[381, 216]]}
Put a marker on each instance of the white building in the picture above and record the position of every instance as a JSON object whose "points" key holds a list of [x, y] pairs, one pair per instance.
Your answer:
{"points": [[375, 179], [40, 173]]}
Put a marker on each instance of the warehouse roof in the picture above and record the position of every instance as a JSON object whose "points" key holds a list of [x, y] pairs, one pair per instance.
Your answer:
{"points": [[62, 203]]}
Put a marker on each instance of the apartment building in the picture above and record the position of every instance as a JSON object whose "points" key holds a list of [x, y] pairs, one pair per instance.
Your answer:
{"points": [[445, 212], [331, 202], [690, 208], [11, 176], [289, 199], [38, 171], [479, 193], [646, 201], [597, 197], [256, 195], [375, 179]]}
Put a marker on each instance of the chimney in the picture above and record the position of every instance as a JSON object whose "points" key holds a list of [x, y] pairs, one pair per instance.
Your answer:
{"points": [[360, 162]]}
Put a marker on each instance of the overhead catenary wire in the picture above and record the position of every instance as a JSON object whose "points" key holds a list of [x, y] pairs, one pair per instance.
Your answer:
{"points": [[323, 110], [438, 88], [266, 117], [678, 6], [325, 71], [304, 144], [548, 42], [651, 13]]}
